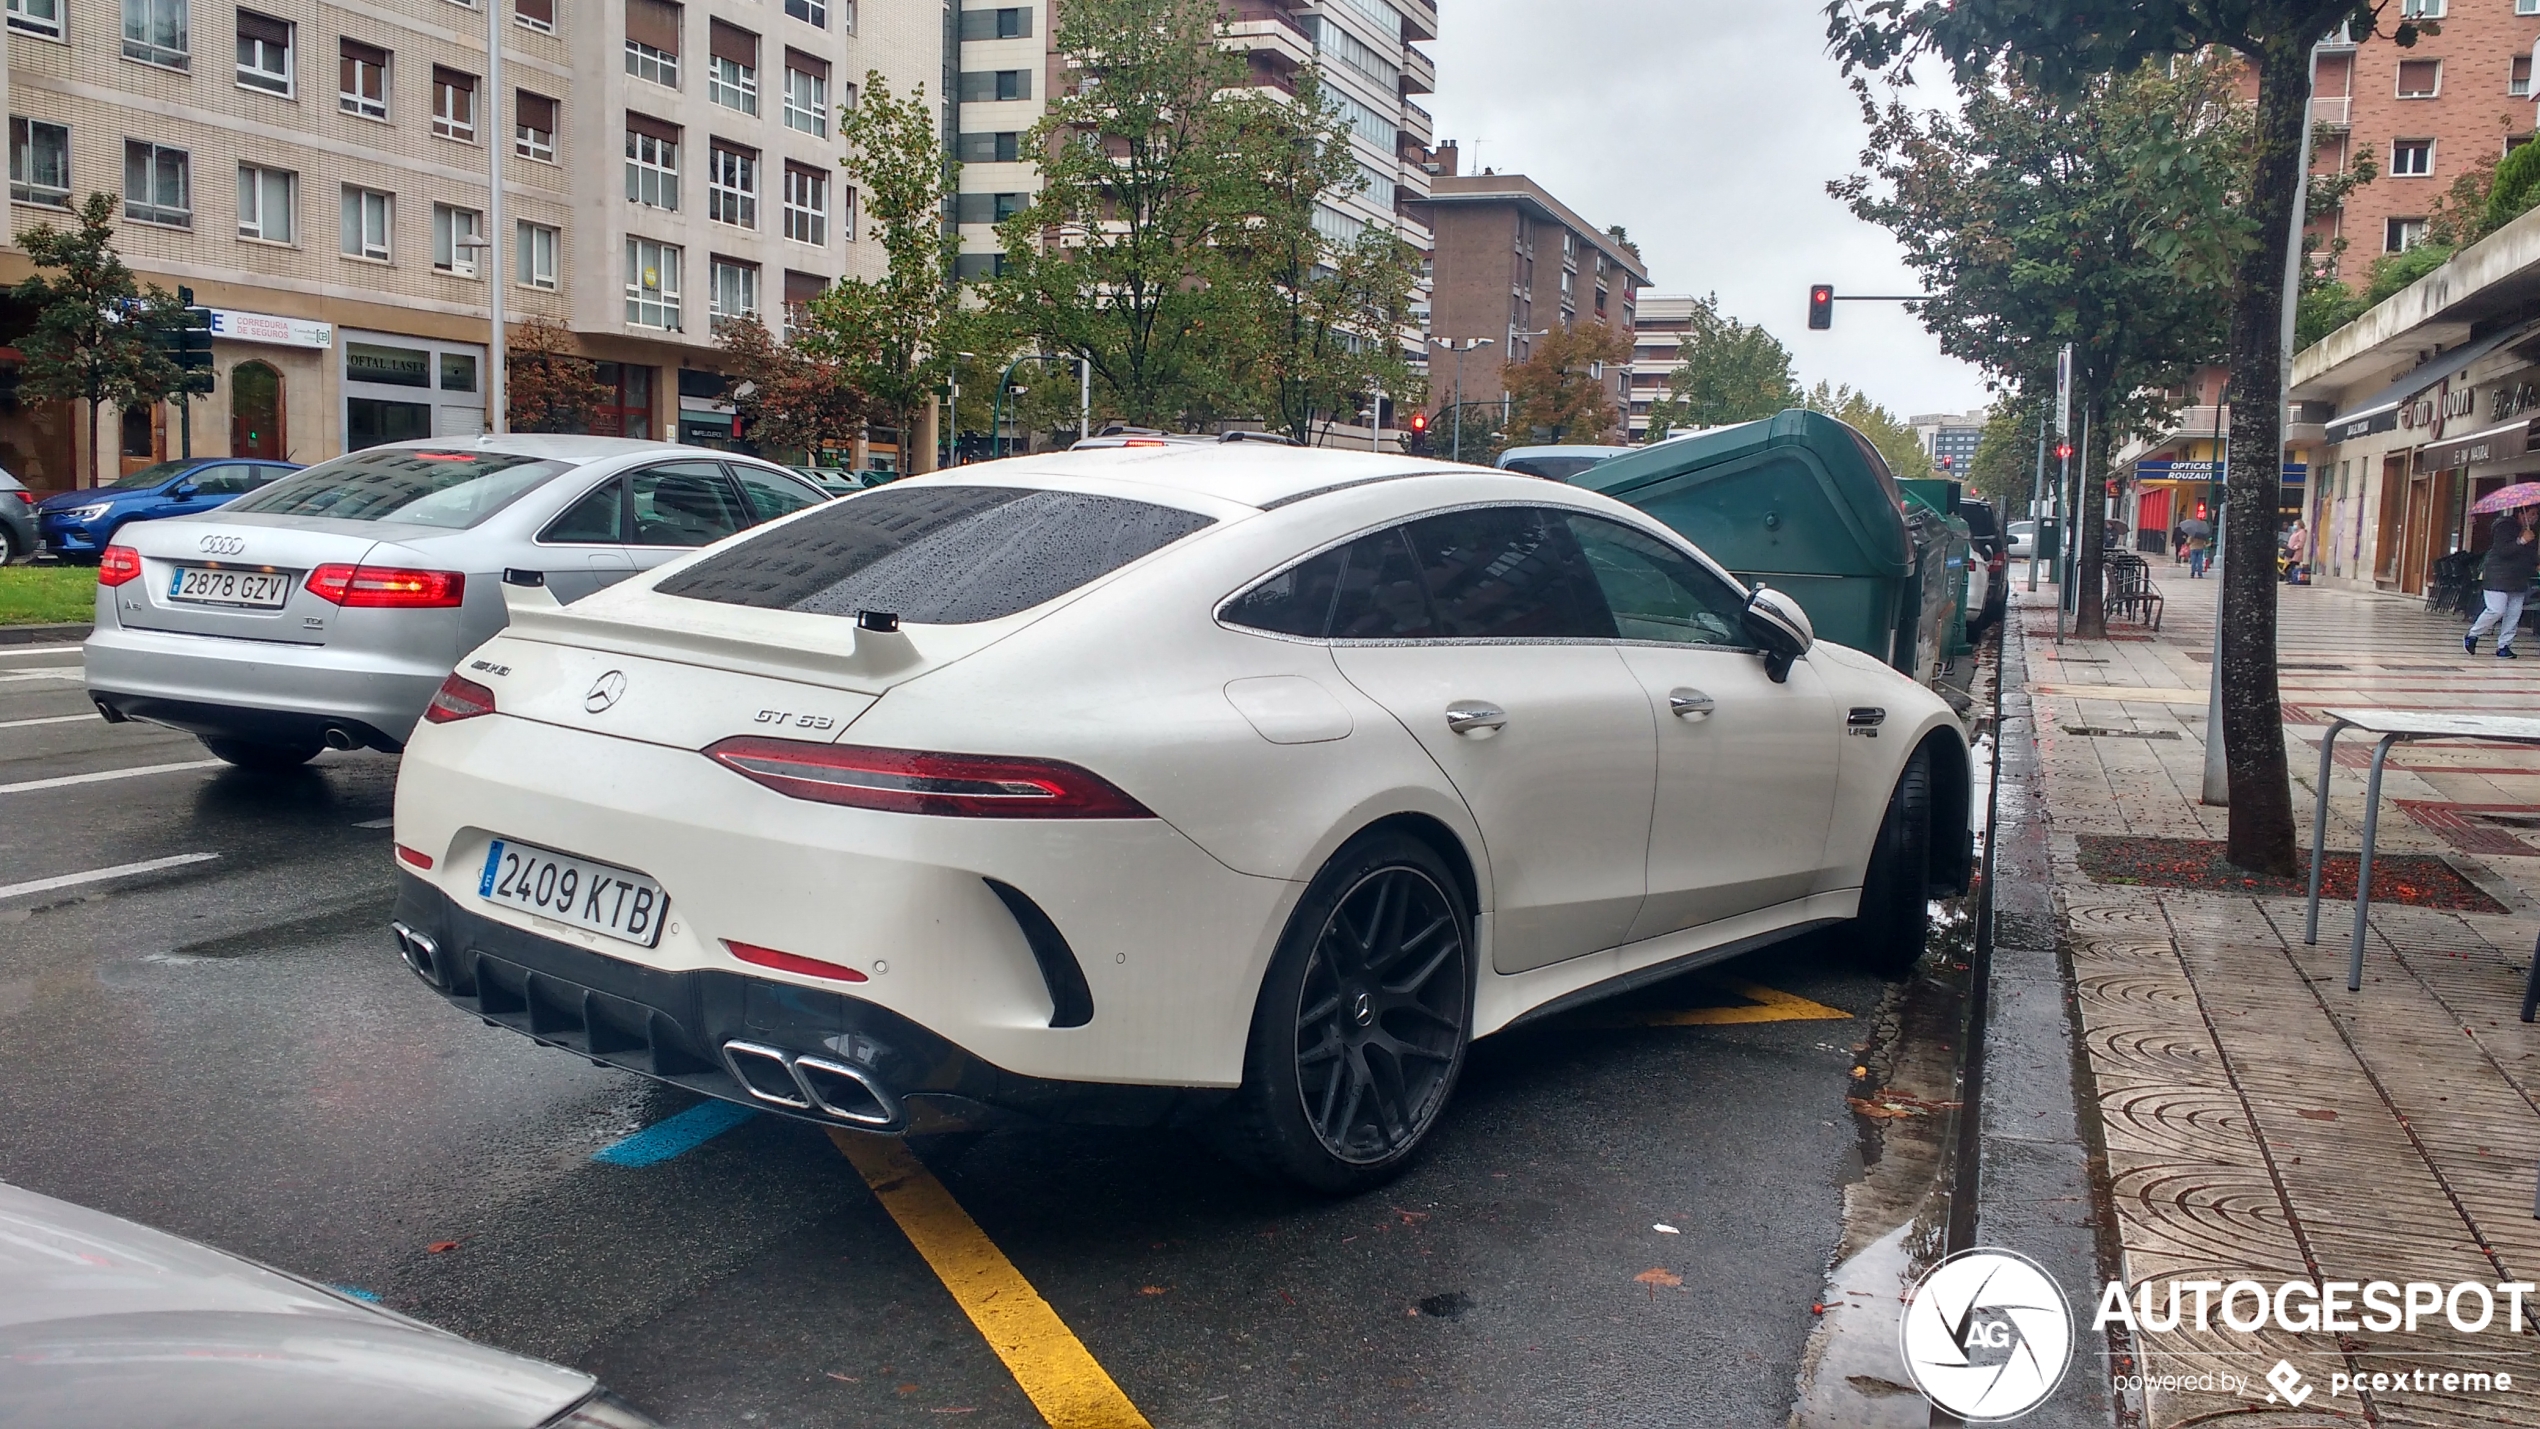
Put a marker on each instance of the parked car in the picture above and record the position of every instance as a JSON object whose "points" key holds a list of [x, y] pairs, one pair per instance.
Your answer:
{"points": [[1556, 463], [2023, 539], [835, 481], [78, 525], [18, 535], [324, 610], [1164, 783], [105, 1324]]}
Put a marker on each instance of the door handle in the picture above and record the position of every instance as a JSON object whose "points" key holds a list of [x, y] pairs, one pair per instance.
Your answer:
{"points": [[1479, 719], [1689, 703]]}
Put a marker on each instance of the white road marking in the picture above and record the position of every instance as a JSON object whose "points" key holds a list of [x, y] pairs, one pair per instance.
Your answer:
{"points": [[12, 652], [103, 775], [99, 875], [375, 824], [45, 675], [52, 719]]}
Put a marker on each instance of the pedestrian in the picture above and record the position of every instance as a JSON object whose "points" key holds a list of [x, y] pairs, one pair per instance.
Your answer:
{"points": [[2178, 543], [2200, 545], [2513, 555], [2297, 546]]}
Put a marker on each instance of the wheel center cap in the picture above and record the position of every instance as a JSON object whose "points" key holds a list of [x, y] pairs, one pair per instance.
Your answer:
{"points": [[1364, 1010]]}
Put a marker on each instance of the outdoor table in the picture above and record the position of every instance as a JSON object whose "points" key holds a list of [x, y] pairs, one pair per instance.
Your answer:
{"points": [[2398, 727]]}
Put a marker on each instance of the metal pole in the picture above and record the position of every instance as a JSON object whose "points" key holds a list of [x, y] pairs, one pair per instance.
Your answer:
{"points": [[1376, 437], [2037, 502], [2217, 783], [497, 412], [1084, 398], [1458, 453]]}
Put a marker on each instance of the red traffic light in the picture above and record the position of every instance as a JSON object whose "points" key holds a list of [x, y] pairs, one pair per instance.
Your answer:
{"points": [[1821, 305], [2063, 450], [1419, 421]]}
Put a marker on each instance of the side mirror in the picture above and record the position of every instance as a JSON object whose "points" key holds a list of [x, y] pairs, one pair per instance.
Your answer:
{"points": [[1776, 624], [185, 491]]}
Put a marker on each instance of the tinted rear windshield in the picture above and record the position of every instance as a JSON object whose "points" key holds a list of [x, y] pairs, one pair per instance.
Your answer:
{"points": [[936, 555], [453, 490]]}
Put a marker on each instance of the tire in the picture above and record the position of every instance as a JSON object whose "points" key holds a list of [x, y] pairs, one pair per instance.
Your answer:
{"points": [[9, 552], [247, 754], [1894, 924], [1347, 1068]]}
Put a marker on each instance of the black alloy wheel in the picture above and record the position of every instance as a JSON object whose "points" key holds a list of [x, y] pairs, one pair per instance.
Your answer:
{"points": [[1380, 1016]]}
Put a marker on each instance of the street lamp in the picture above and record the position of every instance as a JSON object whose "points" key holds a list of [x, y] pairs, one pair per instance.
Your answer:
{"points": [[1460, 346], [1084, 388], [952, 414]]}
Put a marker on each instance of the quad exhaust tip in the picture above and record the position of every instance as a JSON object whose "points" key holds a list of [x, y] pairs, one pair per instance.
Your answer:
{"points": [[419, 952], [833, 1089]]}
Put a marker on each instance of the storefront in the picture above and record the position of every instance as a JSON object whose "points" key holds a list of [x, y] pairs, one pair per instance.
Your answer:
{"points": [[400, 388], [263, 360]]}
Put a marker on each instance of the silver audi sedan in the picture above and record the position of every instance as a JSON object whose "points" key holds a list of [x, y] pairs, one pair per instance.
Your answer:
{"points": [[323, 611]]}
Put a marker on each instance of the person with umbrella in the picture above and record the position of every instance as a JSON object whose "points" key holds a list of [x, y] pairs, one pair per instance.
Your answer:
{"points": [[2513, 555], [2200, 544]]}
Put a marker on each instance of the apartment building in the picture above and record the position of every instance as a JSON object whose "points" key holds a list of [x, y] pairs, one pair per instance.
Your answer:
{"points": [[1657, 342], [1951, 438], [2426, 115], [1511, 262], [316, 171]]}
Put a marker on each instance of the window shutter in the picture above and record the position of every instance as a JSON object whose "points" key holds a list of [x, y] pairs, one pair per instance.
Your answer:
{"points": [[726, 146], [731, 42], [534, 111], [801, 288], [542, 12], [816, 68], [360, 53], [651, 128], [252, 26], [453, 79], [654, 23]]}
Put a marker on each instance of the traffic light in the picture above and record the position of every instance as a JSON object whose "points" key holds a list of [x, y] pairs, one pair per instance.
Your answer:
{"points": [[2063, 451], [1419, 423], [189, 343], [1821, 305]]}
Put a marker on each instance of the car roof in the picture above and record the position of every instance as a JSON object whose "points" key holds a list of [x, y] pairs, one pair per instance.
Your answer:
{"points": [[1257, 474], [1567, 449], [557, 448]]}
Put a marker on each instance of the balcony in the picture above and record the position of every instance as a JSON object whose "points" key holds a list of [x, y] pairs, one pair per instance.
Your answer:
{"points": [[1419, 72], [1419, 19], [2332, 110], [1263, 30], [1417, 125]]}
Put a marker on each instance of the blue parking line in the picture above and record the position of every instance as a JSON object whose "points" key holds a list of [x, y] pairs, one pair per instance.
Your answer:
{"points": [[687, 1131], [372, 1296]]}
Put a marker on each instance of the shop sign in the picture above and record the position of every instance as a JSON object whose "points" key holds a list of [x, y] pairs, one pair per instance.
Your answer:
{"points": [[2349, 430], [268, 328], [2294, 471], [2513, 399], [2478, 447], [387, 366]]}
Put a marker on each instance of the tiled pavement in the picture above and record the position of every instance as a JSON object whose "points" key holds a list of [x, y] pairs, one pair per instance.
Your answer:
{"points": [[2261, 1122]]}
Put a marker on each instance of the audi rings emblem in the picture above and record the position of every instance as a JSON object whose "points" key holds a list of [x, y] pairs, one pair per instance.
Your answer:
{"points": [[605, 692], [223, 545]]}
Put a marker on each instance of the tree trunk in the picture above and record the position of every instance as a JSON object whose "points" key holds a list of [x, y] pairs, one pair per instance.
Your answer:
{"points": [[2253, 720], [2090, 599], [96, 448]]}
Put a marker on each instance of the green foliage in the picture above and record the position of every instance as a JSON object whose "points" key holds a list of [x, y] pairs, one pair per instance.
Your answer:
{"points": [[1726, 371], [47, 595], [2516, 185], [1900, 444], [97, 332], [791, 398], [544, 388], [1555, 393], [2005, 463]]}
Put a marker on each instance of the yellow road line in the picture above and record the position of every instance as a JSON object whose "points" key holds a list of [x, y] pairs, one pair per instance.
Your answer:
{"points": [[1763, 1004], [1057, 1373]]}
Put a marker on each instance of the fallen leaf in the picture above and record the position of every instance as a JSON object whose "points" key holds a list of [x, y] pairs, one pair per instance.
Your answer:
{"points": [[1656, 1276], [439, 1246], [1150, 1289], [1880, 1110], [906, 1388], [1859, 1072]]}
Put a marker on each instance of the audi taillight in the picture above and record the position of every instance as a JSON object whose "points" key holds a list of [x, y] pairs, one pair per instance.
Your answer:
{"points": [[117, 564], [457, 699], [386, 587], [910, 781]]}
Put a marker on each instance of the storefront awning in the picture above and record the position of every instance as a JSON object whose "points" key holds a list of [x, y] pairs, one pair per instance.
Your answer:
{"points": [[2497, 443], [2380, 411]]}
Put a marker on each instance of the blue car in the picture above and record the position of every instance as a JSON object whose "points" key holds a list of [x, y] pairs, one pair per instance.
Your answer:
{"points": [[78, 525]]}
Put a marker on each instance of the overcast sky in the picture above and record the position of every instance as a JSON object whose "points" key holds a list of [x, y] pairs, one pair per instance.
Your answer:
{"points": [[1709, 130]]}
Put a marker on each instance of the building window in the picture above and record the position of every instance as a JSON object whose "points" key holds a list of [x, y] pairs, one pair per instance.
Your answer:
{"points": [[652, 162], [454, 105], [36, 17], [733, 291], [2411, 158], [2398, 235], [39, 162], [806, 204], [456, 240], [154, 33], [366, 223], [998, 148], [989, 208], [652, 41], [732, 67], [810, 12], [534, 249], [2421, 9], [264, 53], [981, 86], [158, 184], [2518, 80], [361, 82], [1008, 23], [801, 290], [2418, 79], [652, 284], [806, 94], [2527, 7], [534, 126], [267, 198], [732, 185], [539, 15]]}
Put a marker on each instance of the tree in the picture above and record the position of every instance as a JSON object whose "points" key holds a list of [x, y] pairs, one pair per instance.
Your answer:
{"points": [[2041, 217], [790, 399], [546, 390], [1726, 371], [886, 338], [2061, 47], [1899, 444], [1557, 391], [2005, 464], [98, 335], [1148, 173]]}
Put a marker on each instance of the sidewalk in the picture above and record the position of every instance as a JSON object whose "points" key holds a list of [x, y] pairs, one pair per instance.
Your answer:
{"points": [[2260, 1122]]}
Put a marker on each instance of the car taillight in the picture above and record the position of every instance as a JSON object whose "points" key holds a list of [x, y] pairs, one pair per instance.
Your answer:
{"points": [[386, 587], [117, 564], [792, 962], [909, 781], [458, 699]]}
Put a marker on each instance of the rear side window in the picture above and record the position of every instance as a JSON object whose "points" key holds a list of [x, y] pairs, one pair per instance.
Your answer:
{"points": [[772, 495], [683, 504], [1492, 573], [936, 555], [453, 490], [594, 519]]}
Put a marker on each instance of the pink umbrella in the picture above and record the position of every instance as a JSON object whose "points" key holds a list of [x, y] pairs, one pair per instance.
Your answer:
{"points": [[2521, 493]]}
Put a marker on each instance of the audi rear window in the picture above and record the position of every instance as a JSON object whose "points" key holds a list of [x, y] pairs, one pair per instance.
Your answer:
{"points": [[936, 555], [453, 489]]}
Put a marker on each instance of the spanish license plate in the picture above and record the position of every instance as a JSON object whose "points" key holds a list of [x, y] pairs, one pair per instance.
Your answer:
{"points": [[616, 902], [210, 585]]}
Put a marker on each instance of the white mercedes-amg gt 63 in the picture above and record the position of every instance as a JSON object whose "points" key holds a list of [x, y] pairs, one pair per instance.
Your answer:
{"points": [[1230, 785]]}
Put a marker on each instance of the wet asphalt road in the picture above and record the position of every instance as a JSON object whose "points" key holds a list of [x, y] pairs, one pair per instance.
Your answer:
{"points": [[229, 1049]]}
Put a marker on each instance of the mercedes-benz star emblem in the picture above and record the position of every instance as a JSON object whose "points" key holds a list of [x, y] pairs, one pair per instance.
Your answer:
{"points": [[224, 545], [605, 692]]}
